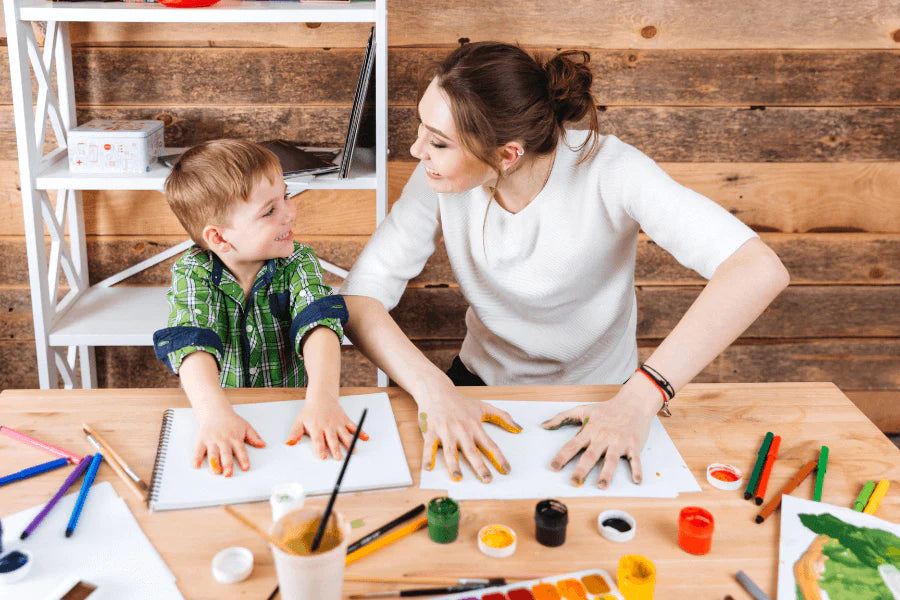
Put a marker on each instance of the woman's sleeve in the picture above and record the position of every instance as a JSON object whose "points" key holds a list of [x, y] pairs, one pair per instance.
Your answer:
{"points": [[699, 233], [401, 245]]}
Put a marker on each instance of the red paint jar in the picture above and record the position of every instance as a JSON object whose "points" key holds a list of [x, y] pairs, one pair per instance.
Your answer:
{"points": [[695, 529]]}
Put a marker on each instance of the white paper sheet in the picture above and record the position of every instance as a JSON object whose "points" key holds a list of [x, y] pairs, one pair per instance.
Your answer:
{"points": [[796, 539], [530, 452], [108, 550], [378, 463]]}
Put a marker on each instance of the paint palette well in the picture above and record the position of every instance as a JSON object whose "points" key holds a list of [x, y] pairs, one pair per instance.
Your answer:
{"points": [[593, 584]]}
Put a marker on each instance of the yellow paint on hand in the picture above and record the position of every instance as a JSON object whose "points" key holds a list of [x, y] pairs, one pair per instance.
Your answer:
{"points": [[490, 456], [499, 422]]}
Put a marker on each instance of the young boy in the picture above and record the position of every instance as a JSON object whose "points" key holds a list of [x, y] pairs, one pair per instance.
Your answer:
{"points": [[248, 305]]}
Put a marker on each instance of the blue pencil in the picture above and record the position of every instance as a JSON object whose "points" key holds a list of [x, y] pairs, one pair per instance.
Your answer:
{"points": [[35, 470], [72, 478], [82, 495]]}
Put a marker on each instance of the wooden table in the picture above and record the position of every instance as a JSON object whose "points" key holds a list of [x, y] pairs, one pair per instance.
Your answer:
{"points": [[711, 423]]}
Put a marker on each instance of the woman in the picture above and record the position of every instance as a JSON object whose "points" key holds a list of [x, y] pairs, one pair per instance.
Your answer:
{"points": [[541, 227]]}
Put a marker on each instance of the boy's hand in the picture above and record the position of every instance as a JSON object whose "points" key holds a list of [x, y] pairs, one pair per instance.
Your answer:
{"points": [[221, 437], [327, 425]]}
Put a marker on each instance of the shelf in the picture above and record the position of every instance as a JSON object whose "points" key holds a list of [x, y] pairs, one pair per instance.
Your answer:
{"points": [[57, 176], [226, 11], [115, 316]]}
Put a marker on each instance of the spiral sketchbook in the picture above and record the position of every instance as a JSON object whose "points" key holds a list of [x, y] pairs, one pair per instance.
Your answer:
{"points": [[379, 463]]}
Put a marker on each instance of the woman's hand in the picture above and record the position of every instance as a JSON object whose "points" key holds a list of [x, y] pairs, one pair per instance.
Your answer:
{"points": [[454, 423], [327, 425], [221, 437], [614, 428]]}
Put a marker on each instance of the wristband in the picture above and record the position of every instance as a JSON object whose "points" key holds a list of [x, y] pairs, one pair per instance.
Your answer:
{"points": [[665, 388]]}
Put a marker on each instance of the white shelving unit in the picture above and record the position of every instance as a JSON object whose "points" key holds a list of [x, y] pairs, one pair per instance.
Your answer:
{"points": [[67, 330]]}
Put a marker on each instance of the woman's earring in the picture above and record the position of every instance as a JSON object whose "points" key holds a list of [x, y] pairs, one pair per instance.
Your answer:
{"points": [[519, 151]]}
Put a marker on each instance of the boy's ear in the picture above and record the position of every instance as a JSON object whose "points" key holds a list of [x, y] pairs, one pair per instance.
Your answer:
{"points": [[212, 235]]}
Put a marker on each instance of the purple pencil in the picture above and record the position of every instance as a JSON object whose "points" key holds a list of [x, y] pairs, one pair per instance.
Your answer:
{"points": [[72, 478]]}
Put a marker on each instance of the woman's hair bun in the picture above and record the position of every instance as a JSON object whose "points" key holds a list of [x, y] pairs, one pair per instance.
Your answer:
{"points": [[569, 85]]}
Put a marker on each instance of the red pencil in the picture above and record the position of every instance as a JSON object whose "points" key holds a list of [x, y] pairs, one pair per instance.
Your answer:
{"points": [[764, 478]]}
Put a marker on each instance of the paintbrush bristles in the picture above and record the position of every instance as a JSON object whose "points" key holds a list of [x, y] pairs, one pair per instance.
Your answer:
{"points": [[262, 532]]}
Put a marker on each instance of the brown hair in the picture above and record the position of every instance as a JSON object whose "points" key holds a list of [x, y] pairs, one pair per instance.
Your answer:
{"points": [[499, 93], [209, 178]]}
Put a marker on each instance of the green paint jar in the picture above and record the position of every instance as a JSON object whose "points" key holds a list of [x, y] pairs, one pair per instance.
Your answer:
{"points": [[443, 520]]}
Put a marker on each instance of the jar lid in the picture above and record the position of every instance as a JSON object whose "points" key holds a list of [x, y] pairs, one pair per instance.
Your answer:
{"points": [[616, 525], [696, 520], [497, 541], [724, 477], [15, 565], [232, 564]]}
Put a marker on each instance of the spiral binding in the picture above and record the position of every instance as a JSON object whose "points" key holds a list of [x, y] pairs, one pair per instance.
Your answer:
{"points": [[161, 451]]}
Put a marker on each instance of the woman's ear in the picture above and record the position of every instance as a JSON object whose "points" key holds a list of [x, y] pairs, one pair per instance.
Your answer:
{"points": [[510, 154]]}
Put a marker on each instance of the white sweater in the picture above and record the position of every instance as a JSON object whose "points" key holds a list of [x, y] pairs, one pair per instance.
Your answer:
{"points": [[550, 288]]}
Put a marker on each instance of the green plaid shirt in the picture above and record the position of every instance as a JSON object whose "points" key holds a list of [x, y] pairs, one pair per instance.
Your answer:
{"points": [[257, 342]]}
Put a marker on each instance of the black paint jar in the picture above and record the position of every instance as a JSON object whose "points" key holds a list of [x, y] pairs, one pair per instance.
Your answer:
{"points": [[550, 520]]}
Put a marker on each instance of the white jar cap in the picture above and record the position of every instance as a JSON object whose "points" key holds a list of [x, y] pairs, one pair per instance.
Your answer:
{"points": [[613, 534], [232, 564], [729, 471], [493, 551]]}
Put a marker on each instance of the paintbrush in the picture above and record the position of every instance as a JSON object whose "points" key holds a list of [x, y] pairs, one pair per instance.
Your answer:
{"points": [[337, 486], [430, 591]]}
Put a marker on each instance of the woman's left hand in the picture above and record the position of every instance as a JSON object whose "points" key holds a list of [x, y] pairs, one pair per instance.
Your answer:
{"points": [[616, 427]]}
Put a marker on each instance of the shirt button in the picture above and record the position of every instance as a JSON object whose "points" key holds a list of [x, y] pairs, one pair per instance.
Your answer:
{"points": [[249, 328]]}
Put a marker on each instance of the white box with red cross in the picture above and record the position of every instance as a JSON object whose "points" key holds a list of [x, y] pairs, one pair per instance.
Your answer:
{"points": [[115, 146]]}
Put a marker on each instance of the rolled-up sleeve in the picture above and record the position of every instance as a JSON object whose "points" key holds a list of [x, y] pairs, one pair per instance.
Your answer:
{"points": [[400, 247], [312, 302], [192, 321]]}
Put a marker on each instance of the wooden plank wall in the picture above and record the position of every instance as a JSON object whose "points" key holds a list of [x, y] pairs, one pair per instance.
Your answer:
{"points": [[784, 113]]}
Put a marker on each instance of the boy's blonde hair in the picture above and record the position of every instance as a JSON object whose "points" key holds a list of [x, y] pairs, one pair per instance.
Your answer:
{"points": [[209, 178]]}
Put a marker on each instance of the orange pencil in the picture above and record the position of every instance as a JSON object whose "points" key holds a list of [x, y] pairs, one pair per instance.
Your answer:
{"points": [[789, 487], [387, 539], [764, 478]]}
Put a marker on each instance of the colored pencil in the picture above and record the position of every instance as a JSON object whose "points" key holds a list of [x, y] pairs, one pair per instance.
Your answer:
{"points": [[83, 493], [767, 470], [337, 486], [875, 500], [758, 467], [864, 496], [19, 436], [387, 539], [820, 473], [751, 587], [385, 528], [72, 478], [35, 470], [789, 487], [262, 532], [134, 483]]}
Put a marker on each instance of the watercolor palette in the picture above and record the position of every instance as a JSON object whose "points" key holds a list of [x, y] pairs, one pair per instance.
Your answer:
{"points": [[593, 584]]}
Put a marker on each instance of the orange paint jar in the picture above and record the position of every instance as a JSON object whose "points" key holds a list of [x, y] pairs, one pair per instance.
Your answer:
{"points": [[695, 530]]}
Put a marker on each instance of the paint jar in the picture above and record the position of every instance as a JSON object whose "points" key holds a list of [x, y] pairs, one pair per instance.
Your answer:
{"points": [[286, 497], [695, 529], [443, 520], [550, 520], [636, 577], [305, 576]]}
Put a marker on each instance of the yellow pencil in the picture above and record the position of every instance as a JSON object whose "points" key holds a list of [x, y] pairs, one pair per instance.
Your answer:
{"points": [[879, 493], [387, 539]]}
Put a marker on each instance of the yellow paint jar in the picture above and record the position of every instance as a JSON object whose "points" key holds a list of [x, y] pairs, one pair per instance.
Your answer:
{"points": [[637, 577]]}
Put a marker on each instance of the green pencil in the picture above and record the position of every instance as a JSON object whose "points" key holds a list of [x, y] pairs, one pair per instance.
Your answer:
{"points": [[864, 496], [760, 461], [820, 473]]}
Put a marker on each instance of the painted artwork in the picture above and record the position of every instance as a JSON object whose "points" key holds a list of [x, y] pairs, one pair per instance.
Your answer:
{"points": [[830, 552]]}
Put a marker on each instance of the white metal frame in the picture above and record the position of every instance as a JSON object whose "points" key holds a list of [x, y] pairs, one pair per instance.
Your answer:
{"points": [[67, 330]]}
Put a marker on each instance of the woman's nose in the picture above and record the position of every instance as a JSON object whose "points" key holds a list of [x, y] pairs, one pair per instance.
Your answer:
{"points": [[418, 146]]}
